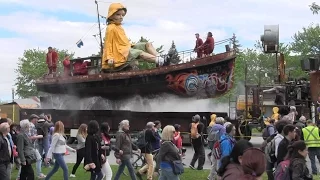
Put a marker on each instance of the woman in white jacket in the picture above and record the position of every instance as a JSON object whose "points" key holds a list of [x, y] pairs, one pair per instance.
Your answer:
{"points": [[58, 149]]}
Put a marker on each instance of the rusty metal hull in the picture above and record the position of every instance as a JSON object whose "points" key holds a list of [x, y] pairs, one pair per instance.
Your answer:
{"points": [[204, 78]]}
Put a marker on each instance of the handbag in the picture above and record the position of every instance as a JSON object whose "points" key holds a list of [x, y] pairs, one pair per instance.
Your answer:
{"points": [[32, 157], [177, 167]]}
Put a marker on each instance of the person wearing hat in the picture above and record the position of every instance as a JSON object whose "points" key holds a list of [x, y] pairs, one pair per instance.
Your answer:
{"points": [[197, 141], [118, 51], [147, 152], [199, 42]]}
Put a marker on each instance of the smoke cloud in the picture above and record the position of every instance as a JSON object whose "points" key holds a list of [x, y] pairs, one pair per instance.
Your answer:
{"points": [[158, 103]]}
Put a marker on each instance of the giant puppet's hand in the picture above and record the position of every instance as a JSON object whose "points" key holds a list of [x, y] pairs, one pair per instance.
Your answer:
{"points": [[110, 62]]}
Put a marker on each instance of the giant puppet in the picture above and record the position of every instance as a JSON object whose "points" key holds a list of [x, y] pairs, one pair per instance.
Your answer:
{"points": [[118, 50]]}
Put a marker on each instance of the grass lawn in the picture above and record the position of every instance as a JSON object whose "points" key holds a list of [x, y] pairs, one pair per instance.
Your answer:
{"points": [[82, 175], [189, 174]]}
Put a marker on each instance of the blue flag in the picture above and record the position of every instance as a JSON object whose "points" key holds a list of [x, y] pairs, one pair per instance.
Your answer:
{"points": [[79, 43]]}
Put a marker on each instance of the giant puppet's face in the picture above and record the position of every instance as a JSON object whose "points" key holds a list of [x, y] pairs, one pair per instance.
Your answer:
{"points": [[118, 16]]}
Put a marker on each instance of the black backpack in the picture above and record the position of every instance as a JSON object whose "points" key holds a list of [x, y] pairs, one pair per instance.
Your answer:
{"points": [[141, 142], [265, 133], [41, 131]]}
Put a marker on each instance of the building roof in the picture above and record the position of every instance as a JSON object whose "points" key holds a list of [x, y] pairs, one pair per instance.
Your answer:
{"points": [[28, 103]]}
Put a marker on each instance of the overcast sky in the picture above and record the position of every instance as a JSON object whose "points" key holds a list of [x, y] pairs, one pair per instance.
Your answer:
{"points": [[29, 24]]}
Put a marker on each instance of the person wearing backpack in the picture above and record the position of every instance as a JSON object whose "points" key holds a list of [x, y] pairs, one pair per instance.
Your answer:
{"points": [[294, 166], [227, 141], [310, 135], [197, 141], [215, 133], [271, 148], [269, 130], [42, 127], [146, 150], [289, 132]]}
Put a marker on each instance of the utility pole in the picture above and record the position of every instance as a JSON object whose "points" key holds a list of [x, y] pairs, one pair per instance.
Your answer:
{"points": [[101, 46]]}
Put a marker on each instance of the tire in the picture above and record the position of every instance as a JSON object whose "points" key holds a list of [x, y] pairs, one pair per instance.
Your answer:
{"points": [[137, 160], [247, 133]]}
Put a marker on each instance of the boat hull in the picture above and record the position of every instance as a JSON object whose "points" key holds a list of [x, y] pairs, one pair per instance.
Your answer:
{"points": [[207, 77]]}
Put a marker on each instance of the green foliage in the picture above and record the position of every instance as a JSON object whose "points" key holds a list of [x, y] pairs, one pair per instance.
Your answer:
{"points": [[31, 66], [173, 54], [307, 42], [261, 69], [315, 8]]}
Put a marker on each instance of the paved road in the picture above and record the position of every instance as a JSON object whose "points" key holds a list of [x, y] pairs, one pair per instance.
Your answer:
{"points": [[256, 141]]}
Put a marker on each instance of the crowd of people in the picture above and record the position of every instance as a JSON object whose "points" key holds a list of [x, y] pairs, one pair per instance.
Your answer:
{"points": [[282, 155], [37, 140]]}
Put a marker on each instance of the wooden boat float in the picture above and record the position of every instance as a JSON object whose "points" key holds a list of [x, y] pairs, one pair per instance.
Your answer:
{"points": [[205, 77]]}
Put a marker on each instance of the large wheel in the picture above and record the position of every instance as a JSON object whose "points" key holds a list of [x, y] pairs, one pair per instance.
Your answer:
{"points": [[247, 133], [245, 130]]}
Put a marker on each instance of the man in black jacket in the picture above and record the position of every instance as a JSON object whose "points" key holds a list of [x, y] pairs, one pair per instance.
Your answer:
{"points": [[6, 155], [289, 132], [147, 152]]}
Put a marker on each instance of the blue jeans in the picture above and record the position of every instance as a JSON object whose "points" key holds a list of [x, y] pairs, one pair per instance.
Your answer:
{"points": [[313, 153], [59, 163], [43, 146], [167, 174], [121, 169], [96, 175]]}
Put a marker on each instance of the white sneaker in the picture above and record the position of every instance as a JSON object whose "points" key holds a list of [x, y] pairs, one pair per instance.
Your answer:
{"points": [[72, 175], [160, 61]]}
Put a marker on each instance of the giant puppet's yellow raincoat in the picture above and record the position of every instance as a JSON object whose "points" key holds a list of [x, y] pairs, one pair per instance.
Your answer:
{"points": [[117, 45], [275, 114]]}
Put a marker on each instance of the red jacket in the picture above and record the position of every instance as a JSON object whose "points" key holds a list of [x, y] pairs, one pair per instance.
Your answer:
{"points": [[199, 42], [209, 45], [80, 67], [66, 65], [53, 60], [178, 140]]}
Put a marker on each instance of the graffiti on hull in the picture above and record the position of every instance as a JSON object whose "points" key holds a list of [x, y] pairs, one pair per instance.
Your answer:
{"points": [[205, 83]]}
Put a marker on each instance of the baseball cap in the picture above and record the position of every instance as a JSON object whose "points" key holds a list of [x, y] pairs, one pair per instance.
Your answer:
{"points": [[196, 117], [150, 124], [33, 116]]}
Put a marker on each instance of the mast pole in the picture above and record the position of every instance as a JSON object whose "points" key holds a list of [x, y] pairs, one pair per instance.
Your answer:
{"points": [[101, 46]]}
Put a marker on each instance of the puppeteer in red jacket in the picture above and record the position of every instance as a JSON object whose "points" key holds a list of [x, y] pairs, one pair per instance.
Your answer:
{"points": [[52, 60], [66, 65], [80, 67], [208, 45], [199, 42]]}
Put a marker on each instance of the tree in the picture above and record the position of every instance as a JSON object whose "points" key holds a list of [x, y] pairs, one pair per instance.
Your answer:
{"points": [[307, 42], [261, 68], [173, 54], [32, 66], [315, 8]]}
